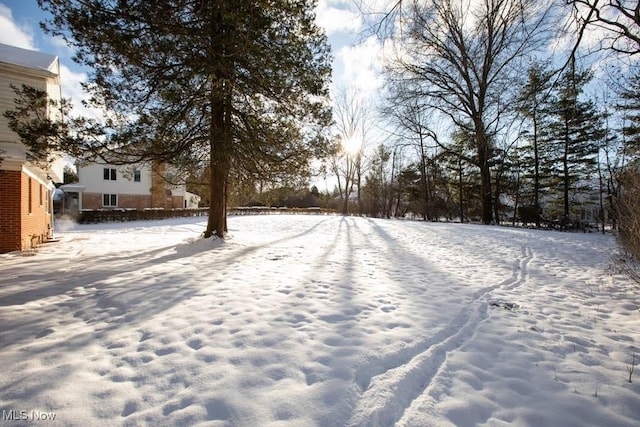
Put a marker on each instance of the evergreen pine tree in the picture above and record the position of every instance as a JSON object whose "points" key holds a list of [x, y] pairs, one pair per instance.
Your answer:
{"points": [[574, 131], [533, 105], [226, 85], [630, 106]]}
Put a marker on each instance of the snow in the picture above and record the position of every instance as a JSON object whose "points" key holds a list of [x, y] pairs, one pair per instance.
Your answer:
{"points": [[28, 58], [318, 321]]}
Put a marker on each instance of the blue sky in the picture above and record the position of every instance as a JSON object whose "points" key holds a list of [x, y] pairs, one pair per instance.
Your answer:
{"points": [[354, 65], [20, 23]]}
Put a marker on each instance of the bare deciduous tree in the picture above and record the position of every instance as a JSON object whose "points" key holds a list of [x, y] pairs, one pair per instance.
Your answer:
{"points": [[351, 117], [414, 128], [620, 20], [462, 59]]}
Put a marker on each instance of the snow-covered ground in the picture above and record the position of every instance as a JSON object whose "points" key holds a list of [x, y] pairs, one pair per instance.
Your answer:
{"points": [[318, 321]]}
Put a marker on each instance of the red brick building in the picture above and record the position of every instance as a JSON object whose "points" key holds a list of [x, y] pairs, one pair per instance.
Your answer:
{"points": [[26, 206]]}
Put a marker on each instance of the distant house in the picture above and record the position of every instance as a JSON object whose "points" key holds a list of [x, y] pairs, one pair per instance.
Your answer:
{"points": [[588, 206], [26, 206], [107, 186]]}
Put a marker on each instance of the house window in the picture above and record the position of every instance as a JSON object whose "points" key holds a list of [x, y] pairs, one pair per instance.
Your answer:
{"points": [[109, 174], [136, 176], [30, 196], [41, 195], [109, 200]]}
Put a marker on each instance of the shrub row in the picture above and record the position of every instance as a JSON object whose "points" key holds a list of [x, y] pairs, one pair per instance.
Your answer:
{"points": [[123, 215], [264, 210]]}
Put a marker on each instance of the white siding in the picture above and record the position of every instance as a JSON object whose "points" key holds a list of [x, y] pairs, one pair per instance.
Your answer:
{"points": [[91, 177], [10, 76], [36, 69], [191, 201]]}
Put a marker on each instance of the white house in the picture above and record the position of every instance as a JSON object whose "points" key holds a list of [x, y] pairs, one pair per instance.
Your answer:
{"points": [[107, 186], [26, 208]]}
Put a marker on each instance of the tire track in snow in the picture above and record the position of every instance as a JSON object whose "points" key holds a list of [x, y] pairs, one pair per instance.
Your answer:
{"points": [[519, 276], [394, 381]]}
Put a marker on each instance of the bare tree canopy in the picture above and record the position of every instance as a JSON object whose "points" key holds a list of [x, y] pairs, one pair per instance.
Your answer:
{"points": [[461, 59], [619, 19], [351, 121]]}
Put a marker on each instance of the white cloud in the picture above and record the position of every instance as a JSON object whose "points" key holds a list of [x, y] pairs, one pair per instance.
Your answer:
{"points": [[72, 88], [361, 66], [337, 16], [12, 33], [61, 45]]}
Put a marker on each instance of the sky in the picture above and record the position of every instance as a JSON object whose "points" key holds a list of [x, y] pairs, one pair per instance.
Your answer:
{"points": [[355, 57], [357, 53]]}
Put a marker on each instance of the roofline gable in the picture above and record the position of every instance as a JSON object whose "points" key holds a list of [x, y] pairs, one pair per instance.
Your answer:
{"points": [[30, 59]]}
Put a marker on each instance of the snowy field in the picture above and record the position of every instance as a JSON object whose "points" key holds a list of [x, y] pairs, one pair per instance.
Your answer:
{"points": [[318, 321]]}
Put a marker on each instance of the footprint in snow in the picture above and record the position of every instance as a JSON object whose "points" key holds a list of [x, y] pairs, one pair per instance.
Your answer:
{"points": [[195, 343]]}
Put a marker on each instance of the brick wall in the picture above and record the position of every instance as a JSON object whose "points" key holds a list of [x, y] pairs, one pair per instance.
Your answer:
{"points": [[25, 219], [91, 201], [159, 196], [125, 201], [134, 201], [36, 218], [177, 202], [10, 182]]}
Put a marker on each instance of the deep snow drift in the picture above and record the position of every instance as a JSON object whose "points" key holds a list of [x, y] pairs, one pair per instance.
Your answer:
{"points": [[318, 321]]}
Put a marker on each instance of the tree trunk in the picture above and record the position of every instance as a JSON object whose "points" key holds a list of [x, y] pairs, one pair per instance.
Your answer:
{"points": [[517, 199], [219, 142], [347, 191], [565, 172], [496, 198], [217, 223], [424, 179], [536, 173], [219, 165], [359, 181], [485, 174], [460, 191], [220, 152], [601, 218]]}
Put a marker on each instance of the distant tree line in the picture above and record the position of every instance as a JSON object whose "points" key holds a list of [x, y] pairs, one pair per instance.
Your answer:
{"points": [[486, 127]]}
